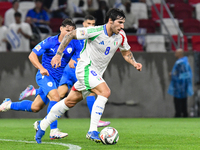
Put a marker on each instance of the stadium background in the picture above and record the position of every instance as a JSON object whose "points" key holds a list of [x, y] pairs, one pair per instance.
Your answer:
{"points": [[148, 89]]}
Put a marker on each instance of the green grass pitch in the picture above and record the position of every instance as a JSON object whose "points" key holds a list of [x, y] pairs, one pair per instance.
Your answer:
{"points": [[134, 133]]}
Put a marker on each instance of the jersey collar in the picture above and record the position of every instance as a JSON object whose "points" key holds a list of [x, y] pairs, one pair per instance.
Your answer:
{"points": [[105, 31]]}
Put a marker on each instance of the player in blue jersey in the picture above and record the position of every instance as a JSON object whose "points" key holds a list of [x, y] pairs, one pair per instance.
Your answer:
{"points": [[69, 77], [47, 78]]}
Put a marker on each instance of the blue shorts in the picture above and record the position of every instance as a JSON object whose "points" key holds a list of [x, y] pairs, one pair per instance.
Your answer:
{"points": [[68, 77], [46, 84]]}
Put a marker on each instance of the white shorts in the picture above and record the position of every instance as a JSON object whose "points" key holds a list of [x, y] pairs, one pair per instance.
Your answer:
{"points": [[88, 78]]}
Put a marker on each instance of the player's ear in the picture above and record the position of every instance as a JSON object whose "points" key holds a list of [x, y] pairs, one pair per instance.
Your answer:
{"points": [[61, 27], [110, 21]]}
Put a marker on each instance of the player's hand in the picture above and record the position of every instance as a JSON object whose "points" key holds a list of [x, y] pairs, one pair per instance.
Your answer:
{"points": [[138, 66], [44, 72], [71, 63], [56, 61]]}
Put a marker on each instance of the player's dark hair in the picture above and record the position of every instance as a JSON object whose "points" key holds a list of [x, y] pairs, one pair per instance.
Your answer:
{"points": [[89, 17], [17, 14], [114, 13], [68, 22]]}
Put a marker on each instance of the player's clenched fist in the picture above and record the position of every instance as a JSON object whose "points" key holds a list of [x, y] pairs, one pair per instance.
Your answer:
{"points": [[138, 66], [56, 61]]}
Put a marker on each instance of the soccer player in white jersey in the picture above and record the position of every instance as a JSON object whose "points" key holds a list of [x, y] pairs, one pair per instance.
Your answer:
{"points": [[101, 44]]}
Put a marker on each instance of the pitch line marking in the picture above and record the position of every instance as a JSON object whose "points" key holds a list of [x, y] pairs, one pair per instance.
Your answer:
{"points": [[71, 146]]}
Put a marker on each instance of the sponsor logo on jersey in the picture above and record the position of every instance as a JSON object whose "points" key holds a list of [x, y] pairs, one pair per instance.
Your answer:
{"points": [[82, 32], [50, 84], [102, 43], [69, 50], [38, 47], [52, 49]]}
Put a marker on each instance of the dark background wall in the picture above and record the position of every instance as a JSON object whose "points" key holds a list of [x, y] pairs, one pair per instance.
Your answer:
{"points": [[147, 89]]}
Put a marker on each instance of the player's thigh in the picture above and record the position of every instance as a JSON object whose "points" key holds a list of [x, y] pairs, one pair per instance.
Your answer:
{"points": [[62, 90], [37, 104], [73, 98]]}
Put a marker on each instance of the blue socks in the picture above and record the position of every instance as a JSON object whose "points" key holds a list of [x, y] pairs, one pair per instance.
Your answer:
{"points": [[54, 124], [24, 105], [90, 101]]}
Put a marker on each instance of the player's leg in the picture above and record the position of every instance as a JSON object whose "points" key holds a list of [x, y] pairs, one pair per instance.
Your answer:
{"points": [[29, 91], [57, 111], [62, 90], [90, 101], [55, 133], [49, 93], [66, 82], [25, 105], [103, 92]]}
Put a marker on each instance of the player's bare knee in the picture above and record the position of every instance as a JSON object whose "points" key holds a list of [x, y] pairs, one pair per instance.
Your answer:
{"points": [[35, 109], [106, 93], [55, 98]]}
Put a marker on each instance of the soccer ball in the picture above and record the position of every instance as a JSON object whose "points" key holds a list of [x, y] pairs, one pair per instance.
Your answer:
{"points": [[109, 136]]}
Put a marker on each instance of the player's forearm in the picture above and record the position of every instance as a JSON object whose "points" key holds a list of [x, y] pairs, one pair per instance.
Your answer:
{"points": [[128, 56], [66, 40], [35, 61]]}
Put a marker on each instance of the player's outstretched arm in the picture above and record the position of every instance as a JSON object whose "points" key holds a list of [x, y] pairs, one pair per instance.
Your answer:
{"points": [[128, 56], [56, 60]]}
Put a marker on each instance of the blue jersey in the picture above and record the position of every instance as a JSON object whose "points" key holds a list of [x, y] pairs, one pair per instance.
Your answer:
{"points": [[69, 76], [75, 57], [49, 47]]}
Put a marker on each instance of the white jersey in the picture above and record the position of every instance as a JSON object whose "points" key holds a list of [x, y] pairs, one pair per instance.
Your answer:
{"points": [[3, 31], [18, 42], [99, 48]]}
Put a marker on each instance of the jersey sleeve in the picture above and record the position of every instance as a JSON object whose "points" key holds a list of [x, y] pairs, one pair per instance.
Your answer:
{"points": [[86, 33], [124, 44], [41, 47]]}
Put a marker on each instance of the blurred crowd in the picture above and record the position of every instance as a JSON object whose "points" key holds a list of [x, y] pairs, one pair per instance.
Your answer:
{"points": [[24, 23]]}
